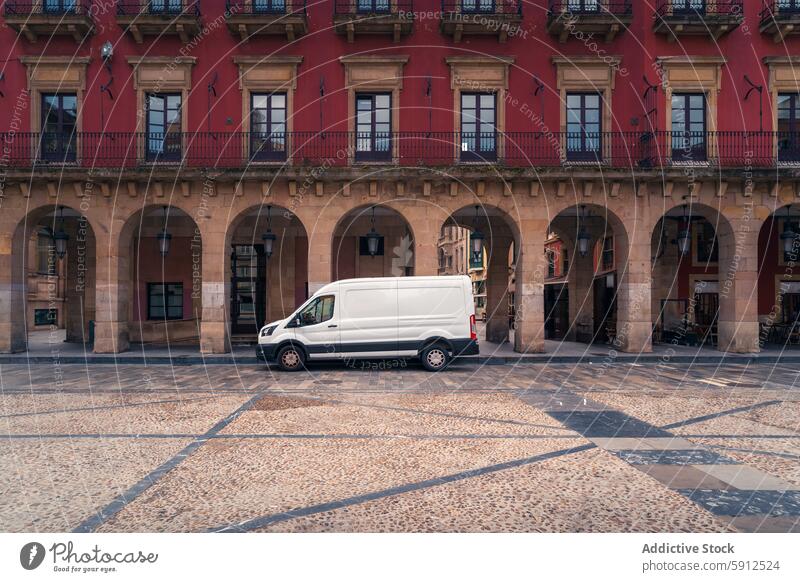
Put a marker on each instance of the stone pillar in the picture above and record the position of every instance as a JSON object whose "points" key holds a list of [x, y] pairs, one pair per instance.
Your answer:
{"points": [[738, 288], [529, 287], [12, 289], [75, 321], [214, 334], [497, 292], [320, 253], [113, 294], [426, 229], [634, 281]]}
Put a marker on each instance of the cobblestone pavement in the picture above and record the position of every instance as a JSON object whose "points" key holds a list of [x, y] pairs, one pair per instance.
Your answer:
{"points": [[381, 448]]}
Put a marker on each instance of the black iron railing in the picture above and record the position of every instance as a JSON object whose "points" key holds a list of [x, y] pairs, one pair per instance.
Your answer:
{"points": [[490, 7], [396, 7], [169, 8], [591, 7], [776, 10], [629, 150], [265, 7], [703, 8], [47, 7]]}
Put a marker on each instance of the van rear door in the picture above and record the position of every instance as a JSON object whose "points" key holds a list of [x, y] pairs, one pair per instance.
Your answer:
{"points": [[368, 321]]}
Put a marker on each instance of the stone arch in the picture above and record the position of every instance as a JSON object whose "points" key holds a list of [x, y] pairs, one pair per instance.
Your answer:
{"points": [[71, 286]]}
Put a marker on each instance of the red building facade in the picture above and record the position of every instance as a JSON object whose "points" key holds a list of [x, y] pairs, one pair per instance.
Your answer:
{"points": [[563, 116]]}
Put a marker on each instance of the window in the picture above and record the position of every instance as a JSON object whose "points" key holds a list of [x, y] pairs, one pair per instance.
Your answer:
{"points": [[363, 246], [789, 5], [373, 126], [163, 126], [165, 301], [374, 5], [319, 310], [788, 127], [577, 6], [59, 116], [485, 6], [478, 127], [706, 243], [45, 316], [59, 6], [584, 127], [165, 6], [688, 7], [268, 126], [689, 127], [269, 6], [45, 254]]}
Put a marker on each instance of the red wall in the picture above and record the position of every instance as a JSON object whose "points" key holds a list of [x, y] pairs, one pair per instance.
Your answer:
{"points": [[427, 47]]}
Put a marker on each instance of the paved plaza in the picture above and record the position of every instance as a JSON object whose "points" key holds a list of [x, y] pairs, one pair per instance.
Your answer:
{"points": [[389, 447]]}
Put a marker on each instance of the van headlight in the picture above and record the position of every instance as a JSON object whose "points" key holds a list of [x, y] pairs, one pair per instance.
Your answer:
{"points": [[268, 330]]}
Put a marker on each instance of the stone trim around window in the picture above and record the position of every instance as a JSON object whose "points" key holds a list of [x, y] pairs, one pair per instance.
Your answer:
{"points": [[783, 78], [276, 74], [373, 74]]}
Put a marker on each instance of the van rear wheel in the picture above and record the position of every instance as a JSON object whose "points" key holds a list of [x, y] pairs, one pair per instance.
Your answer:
{"points": [[290, 358], [435, 358]]}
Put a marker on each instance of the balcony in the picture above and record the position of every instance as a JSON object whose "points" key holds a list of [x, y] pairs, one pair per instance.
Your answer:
{"points": [[46, 18], [501, 18], [158, 18], [279, 152], [249, 18], [713, 18], [780, 18], [394, 18], [605, 18]]}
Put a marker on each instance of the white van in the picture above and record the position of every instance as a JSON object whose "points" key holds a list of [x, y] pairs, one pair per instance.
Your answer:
{"points": [[432, 318]]}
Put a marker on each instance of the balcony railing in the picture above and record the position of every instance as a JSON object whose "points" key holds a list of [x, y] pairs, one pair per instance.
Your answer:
{"points": [[265, 7], [777, 9], [703, 8], [590, 7], [158, 7], [483, 6], [624, 150], [377, 7], [46, 7]]}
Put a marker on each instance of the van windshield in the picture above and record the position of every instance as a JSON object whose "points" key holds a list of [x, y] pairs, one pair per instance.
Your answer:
{"points": [[317, 311]]}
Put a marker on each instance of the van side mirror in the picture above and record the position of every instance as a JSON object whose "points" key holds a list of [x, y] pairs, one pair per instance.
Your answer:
{"points": [[297, 322]]}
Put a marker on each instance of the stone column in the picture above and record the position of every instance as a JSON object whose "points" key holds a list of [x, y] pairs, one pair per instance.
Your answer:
{"points": [[529, 287], [426, 229], [113, 294], [12, 289], [497, 291], [214, 334], [634, 281], [75, 289], [320, 252], [738, 288]]}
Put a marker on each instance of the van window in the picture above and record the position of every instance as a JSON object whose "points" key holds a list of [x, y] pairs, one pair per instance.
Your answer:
{"points": [[424, 301], [319, 310]]}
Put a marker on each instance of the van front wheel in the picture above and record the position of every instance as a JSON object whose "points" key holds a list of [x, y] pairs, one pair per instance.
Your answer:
{"points": [[290, 358], [435, 358]]}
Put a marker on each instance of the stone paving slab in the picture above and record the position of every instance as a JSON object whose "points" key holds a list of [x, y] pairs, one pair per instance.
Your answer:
{"points": [[683, 477], [674, 457], [744, 502], [747, 478]]}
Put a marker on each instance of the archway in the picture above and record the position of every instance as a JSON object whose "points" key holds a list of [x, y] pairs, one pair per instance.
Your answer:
{"points": [[53, 280], [372, 241], [267, 260], [586, 249], [778, 279], [160, 276], [481, 241]]}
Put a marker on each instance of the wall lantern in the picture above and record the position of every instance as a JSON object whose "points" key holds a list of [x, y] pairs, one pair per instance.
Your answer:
{"points": [[269, 237], [61, 237], [164, 237], [583, 234], [789, 234], [106, 51], [476, 240], [684, 239], [373, 238]]}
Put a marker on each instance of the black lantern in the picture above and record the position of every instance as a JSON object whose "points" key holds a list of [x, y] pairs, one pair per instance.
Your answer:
{"points": [[268, 237], [373, 238], [583, 234], [789, 234], [164, 237], [476, 240], [60, 237], [685, 233]]}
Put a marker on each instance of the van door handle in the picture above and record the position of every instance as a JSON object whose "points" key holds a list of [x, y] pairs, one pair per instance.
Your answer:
{"points": [[334, 325]]}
